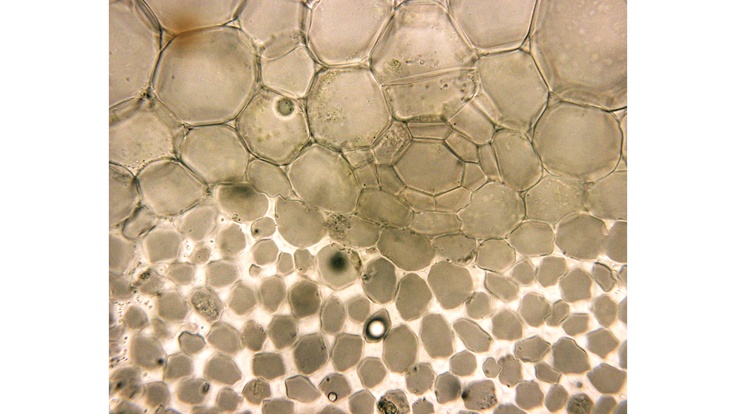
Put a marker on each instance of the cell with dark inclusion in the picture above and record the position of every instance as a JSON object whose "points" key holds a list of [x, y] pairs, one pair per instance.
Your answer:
{"points": [[206, 303], [335, 387], [256, 390], [580, 404], [338, 266], [419, 378], [393, 402]]}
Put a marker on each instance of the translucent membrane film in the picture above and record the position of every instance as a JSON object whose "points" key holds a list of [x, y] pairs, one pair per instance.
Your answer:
{"points": [[340, 206]]}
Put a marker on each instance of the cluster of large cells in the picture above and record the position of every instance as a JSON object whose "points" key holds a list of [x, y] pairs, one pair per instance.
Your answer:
{"points": [[340, 206]]}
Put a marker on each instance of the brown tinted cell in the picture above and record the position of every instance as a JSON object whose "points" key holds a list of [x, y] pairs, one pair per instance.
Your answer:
{"points": [[346, 351], [126, 381], [310, 353], [508, 409], [463, 364], [198, 222], [552, 199], [490, 367], [223, 369], [580, 404], [406, 249], [581, 236], [332, 315], [605, 405], [576, 142], [224, 337], [289, 74], [480, 395], [146, 352], [510, 374], [576, 285], [379, 281], [206, 95], [135, 318], [568, 357], [462, 147], [529, 395], [413, 298], [123, 194], [623, 310], [253, 336], [256, 390], [324, 179], [458, 248], [272, 293], [447, 388], [581, 49], [519, 166], [358, 308], [221, 273], [531, 349], [393, 401], [371, 372], [301, 389], [215, 153], [501, 287], [523, 272], [241, 201], [452, 285], [157, 394], [493, 211], [268, 365], [495, 255], [560, 311], [603, 276], [231, 241], [263, 227], [162, 244], [498, 25], [265, 252], [604, 309], [361, 402], [383, 207], [278, 406], [283, 330], [360, 233], [200, 254], [506, 325], [178, 366], [576, 324], [268, 178], [623, 355], [601, 342], [191, 343], [472, 335], [400, 349], [274, 127], [228, 399], [193, 390], [422, 406], [607, 379], [437, 336], [140, 222], [171, 306], [242, 299], [607, 198], [556, 398], [284, 263], [120, 287], [533, 238], [546, 373], [432, 223], [429, 166], [181, 273], [338, 266], [616, 245], [419, 378], [534, 309], [479, 305], [335, 387], [304, 298], [126, 407]]}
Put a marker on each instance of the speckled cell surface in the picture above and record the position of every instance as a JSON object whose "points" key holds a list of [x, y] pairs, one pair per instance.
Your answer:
{"points": [[341, 206]]}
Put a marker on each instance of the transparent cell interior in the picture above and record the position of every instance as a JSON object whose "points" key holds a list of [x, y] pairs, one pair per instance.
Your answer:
{"points": [[374, 206]]}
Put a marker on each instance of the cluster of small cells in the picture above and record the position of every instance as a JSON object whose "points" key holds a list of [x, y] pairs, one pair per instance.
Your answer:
{"points": [[367, 206]]}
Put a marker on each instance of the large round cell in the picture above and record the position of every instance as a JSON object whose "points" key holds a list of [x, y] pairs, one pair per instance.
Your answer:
{"points": [[324, 179], [493, 212], [581, 49], [515, 86], [342, 31], [215, 153], [577, 142], [430, 167], [168, 188], [274, 127], [346, 109], [206, 76]]}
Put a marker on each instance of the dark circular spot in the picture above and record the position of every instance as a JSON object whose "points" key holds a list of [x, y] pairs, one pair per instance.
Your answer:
{"points": [[285, 106], [338, 262], [205, 388]]}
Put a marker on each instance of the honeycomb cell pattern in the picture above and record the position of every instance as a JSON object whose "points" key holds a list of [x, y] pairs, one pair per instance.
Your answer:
{"points": [[339, 206]]}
